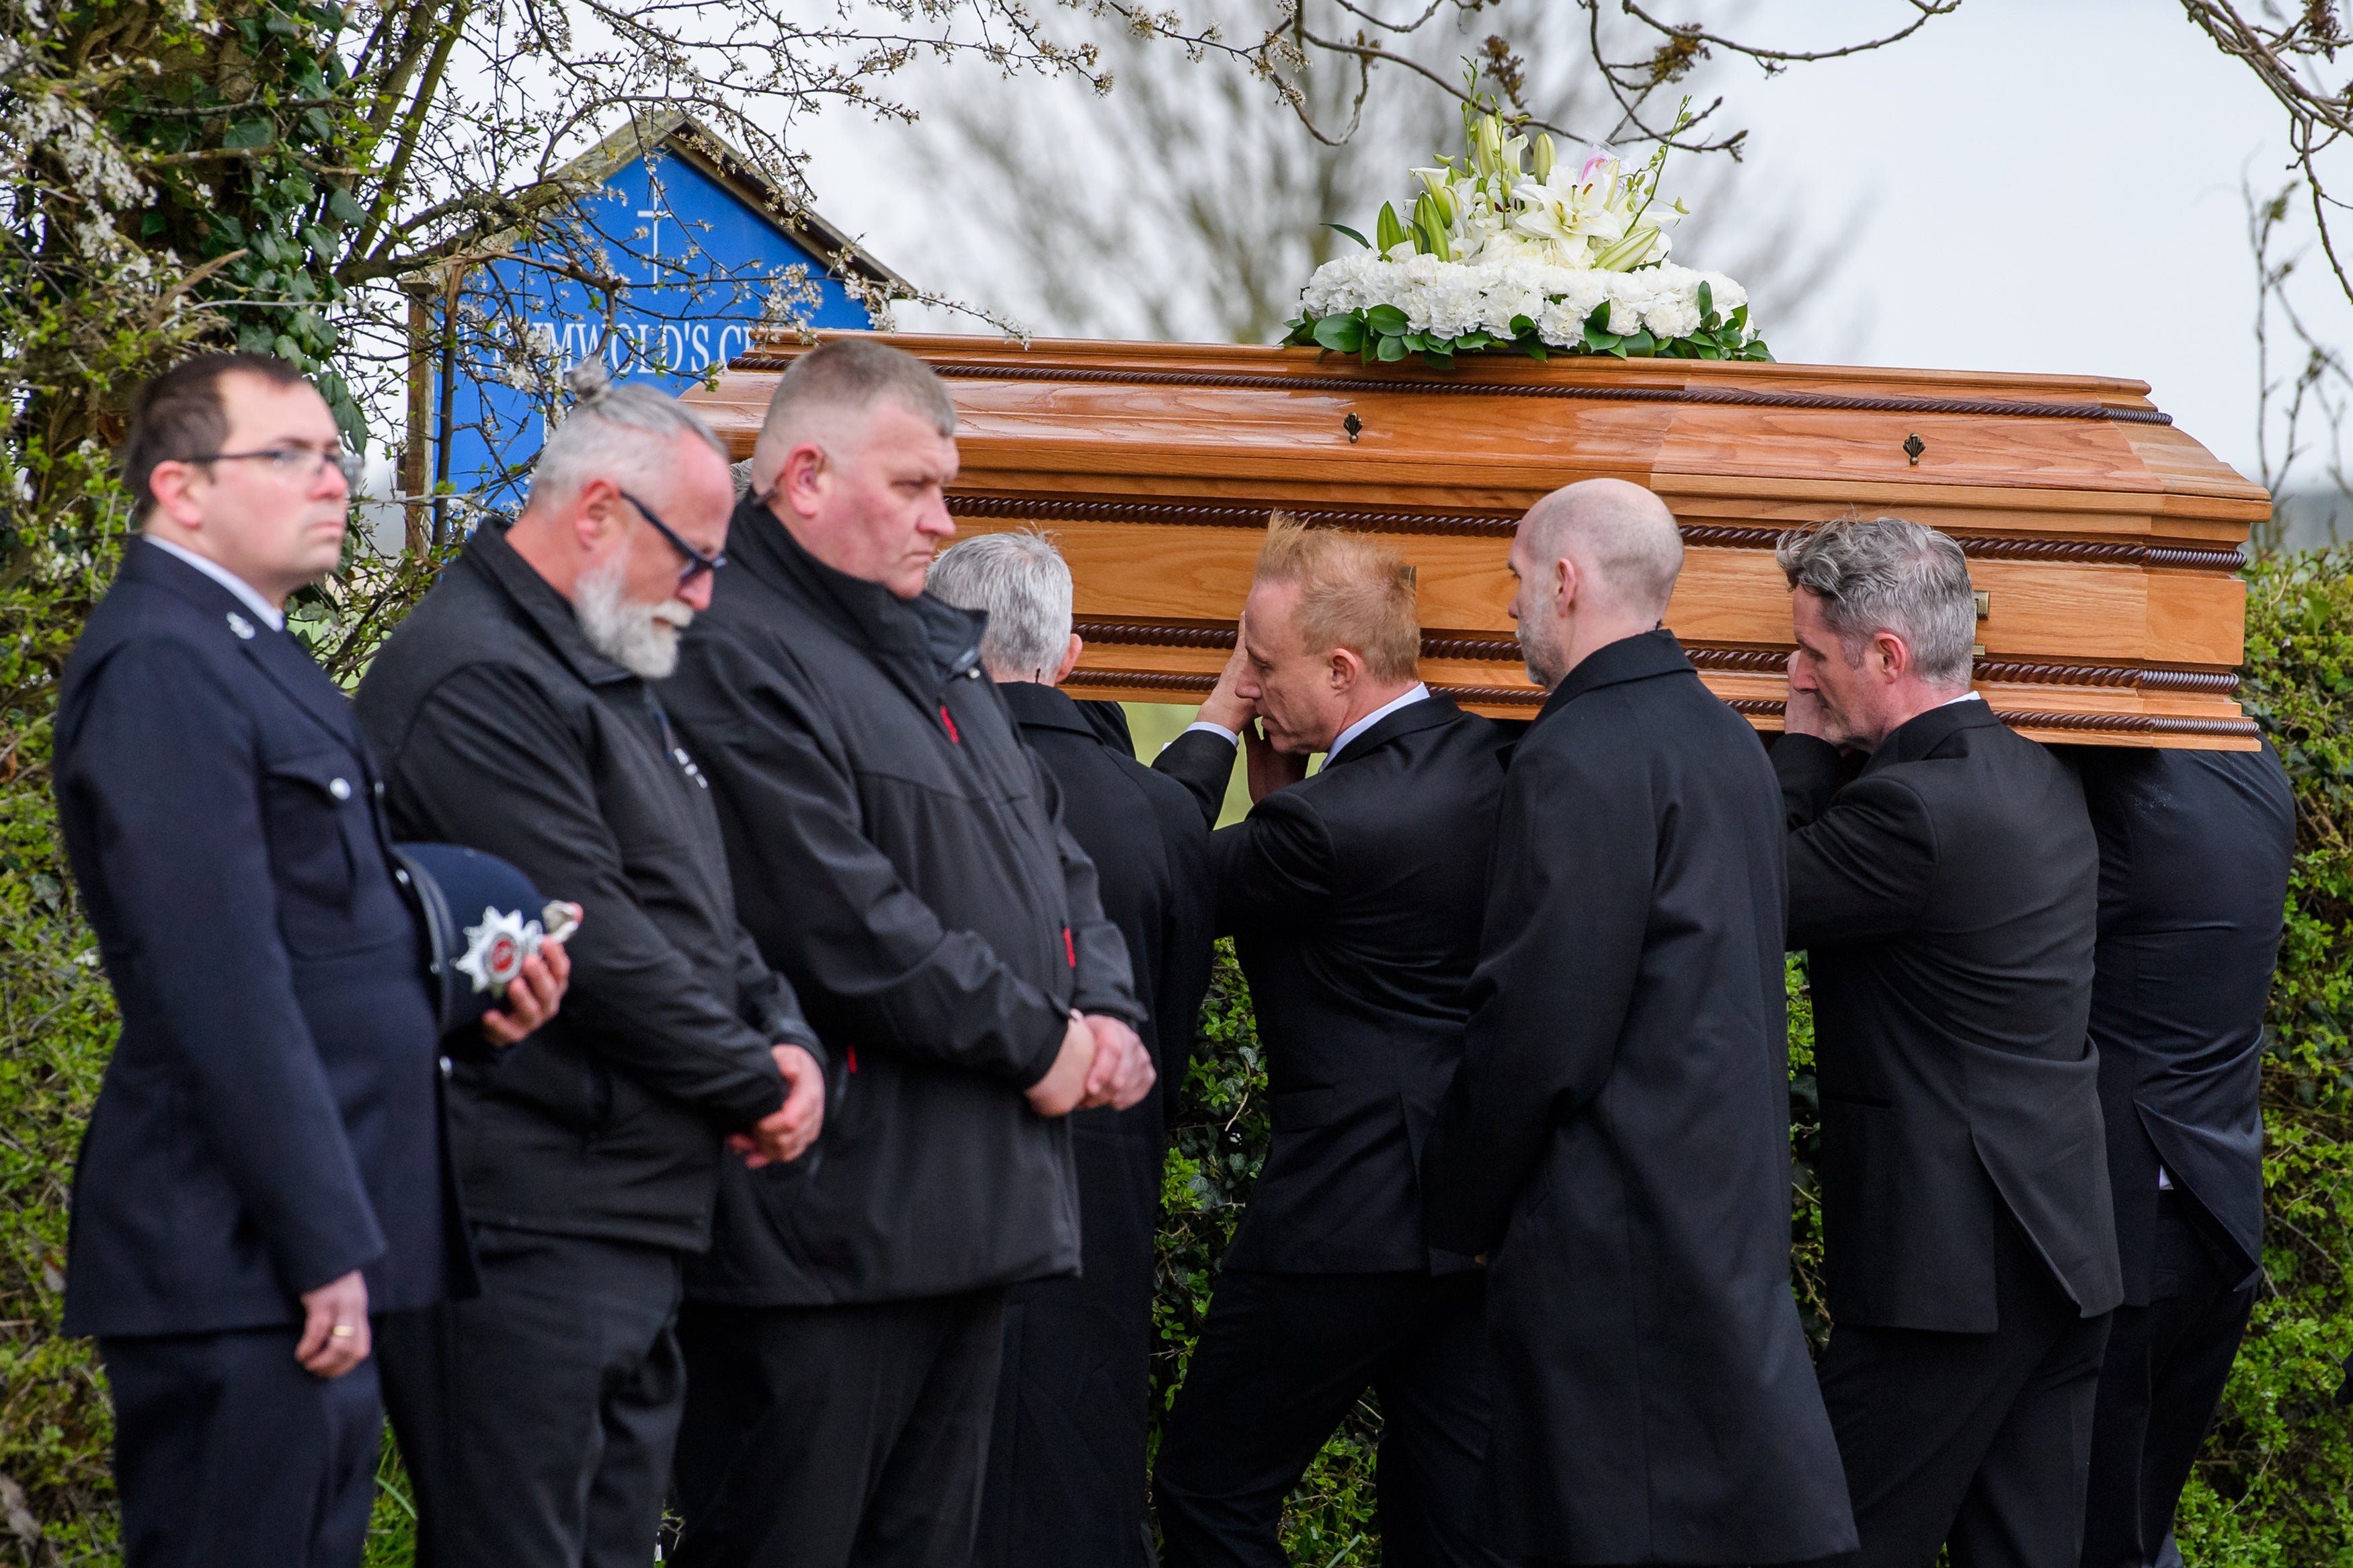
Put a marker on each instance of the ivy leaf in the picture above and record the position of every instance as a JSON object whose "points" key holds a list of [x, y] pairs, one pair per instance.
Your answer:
{"points": [[1341, 334], [343, 207], [248, 133], [1352, 234], [1386, 320]]}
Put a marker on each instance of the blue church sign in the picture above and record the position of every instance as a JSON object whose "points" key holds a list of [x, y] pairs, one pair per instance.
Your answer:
{"points": [[703, 250]]}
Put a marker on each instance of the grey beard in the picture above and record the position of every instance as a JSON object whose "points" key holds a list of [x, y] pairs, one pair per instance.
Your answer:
{"points": [[641, 639], [1541, 660]]}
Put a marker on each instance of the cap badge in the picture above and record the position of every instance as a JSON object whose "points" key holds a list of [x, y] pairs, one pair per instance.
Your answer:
{"points": [[496, 949], [241, 626]]}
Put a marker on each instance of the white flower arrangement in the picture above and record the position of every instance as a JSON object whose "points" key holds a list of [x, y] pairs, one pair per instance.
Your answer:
{"points": [[1499, 255]]}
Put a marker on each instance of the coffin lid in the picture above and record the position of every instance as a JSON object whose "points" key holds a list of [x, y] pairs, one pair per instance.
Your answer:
{"points": [[2103, 539]]}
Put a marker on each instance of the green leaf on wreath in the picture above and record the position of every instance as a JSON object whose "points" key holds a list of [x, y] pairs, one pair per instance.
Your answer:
{"points": [[1390, 350], [1351, 233], [1341, 334], [1707, 301], [1522, 327], [1601, 342], [1386, 320], [1641, 343]]}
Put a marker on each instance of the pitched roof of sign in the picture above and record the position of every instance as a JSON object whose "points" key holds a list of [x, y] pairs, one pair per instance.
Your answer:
{"points": [[678, 135]]}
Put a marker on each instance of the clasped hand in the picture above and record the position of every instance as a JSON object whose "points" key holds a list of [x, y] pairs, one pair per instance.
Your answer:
{"points": [[786, 1133], [1102, 1062]]}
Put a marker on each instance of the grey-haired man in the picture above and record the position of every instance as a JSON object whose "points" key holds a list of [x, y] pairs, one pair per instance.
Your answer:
{"points": [[1947, 899], [516, 713]]}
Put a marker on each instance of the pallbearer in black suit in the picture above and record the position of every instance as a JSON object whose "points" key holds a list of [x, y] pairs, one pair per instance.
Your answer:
{"points": [[1616, 1140], [263, 1169], [1066, 1463], [2194, 853], [1946, 899], [1353, 898]]}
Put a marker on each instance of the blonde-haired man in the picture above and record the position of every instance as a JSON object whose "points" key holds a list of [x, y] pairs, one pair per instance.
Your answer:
{"points": [[1353, 900]]}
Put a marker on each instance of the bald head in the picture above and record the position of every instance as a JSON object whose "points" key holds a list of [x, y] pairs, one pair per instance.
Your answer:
{"points": [[1622, 538], [1597, 562]]}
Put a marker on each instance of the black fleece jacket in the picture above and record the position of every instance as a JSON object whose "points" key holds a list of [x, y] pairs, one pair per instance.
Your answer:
{"points": [[501, 729], [901, 855]]}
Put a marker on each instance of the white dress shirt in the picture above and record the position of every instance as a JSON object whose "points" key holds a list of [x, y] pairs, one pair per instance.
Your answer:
{"points": [[271, 616]]}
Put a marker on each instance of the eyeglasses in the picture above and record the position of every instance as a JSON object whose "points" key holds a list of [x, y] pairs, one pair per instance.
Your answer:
{"points": [[298, 463], [697, 563]]}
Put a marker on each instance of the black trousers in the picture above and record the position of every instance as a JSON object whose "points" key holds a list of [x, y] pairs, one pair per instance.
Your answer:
{"points": [[1978, 1442], [821, 1436], [2166, 1366], [1066, 1461], [537, 1419], [228, 1453], [1280, 1362]]}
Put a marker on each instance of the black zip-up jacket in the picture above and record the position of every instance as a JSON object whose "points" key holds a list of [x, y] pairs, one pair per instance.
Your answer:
{"points": [[501, 729], [899, 854]]}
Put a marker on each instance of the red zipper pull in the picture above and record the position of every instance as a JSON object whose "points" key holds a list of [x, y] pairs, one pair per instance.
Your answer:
{"points": [[1070, 949], [852, 1052], [953, 738]]}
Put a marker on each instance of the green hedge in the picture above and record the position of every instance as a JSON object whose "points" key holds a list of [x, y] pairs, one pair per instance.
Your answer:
{"points": [[2273, 1487]]}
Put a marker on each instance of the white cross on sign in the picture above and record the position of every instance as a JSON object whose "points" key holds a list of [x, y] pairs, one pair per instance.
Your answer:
{"points": [[653, 262]]}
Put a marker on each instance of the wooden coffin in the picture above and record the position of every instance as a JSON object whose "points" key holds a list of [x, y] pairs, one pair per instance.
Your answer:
{"points": [[2103, 541]]}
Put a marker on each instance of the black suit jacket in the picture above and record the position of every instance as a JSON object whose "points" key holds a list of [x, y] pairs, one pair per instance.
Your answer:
{"points": [[2194, 855], [1151, 852], [1353, 900], [1618, 1139], [269, 1120], [1067, 1460], [1947, 898]]}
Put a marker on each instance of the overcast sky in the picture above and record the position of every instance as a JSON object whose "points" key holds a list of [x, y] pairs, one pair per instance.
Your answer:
{"points": [[2054, 186]]}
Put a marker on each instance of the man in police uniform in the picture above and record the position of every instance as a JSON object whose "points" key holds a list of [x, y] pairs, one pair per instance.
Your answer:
{"points": [[263, 1169]]}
